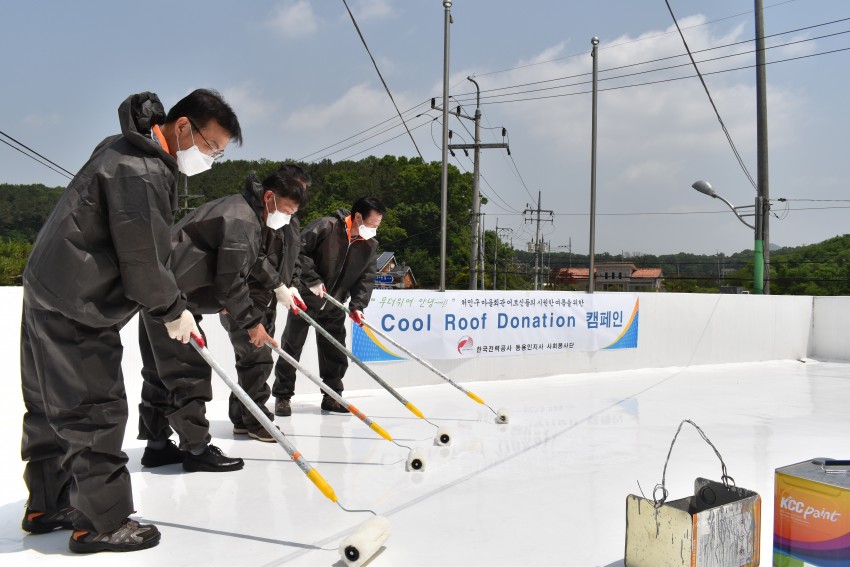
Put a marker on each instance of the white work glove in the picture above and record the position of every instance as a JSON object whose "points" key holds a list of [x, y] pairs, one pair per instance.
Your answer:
{"points": [[296, 298], [182, 328], [284, 295], [318, 289]]}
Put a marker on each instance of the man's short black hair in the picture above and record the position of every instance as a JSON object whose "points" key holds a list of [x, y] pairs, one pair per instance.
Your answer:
{"points": [[365, 206], [289, 182], [202, 105]]}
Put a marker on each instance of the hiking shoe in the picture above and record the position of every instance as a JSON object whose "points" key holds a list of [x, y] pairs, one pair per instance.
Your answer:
{"points": [[168, 455], [211, 460], [261, 434], [240, 429], [36, 522], [282, 408], [331, 405], [129, 536]]}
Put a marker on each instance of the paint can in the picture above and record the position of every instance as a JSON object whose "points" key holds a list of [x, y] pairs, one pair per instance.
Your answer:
{"points": [[811, 518], [719, 526]]}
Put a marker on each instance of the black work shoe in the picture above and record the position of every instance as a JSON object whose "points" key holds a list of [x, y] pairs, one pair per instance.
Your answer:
{"points": [[282, 408], [330, 404], [168, 455], [261, 434], [129, 536], [211, 460], [36, 522]]}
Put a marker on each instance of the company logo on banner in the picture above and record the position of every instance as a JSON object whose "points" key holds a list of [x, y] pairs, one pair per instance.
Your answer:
{"points": [[466, 324]]}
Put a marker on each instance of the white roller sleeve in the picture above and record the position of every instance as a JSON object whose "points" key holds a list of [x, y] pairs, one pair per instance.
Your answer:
{"points": [[503, 416], [443, 438], [365, 541], [415, 461]]}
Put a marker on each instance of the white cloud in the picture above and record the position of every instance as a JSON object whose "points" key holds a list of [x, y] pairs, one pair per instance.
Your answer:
{"points": [[248, 102], [294, 19], [364, 10], [361, 104]]}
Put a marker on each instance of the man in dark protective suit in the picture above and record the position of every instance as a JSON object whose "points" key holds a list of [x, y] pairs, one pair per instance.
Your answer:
{"points": [[338, 255], [216, 247], [280, 249], [101, 256]]}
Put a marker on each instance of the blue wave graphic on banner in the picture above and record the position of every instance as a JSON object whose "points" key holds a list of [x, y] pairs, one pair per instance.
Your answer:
{"points": [[366, 346], [629, 337]]}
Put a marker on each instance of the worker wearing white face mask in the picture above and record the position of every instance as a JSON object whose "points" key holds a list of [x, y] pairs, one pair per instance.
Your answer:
{"points": [[219, 250], [338, 256], [271, 281], [101, 257]]}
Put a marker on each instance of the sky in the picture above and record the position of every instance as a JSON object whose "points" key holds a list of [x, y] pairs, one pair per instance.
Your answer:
{"points": [[304, 88]]}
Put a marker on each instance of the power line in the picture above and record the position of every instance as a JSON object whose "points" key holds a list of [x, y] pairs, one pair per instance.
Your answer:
{"points": [[615, 45], [64, 171], [382, 78], [647, 71], [559, 95], [711, 100], [670, 80], [36, 159]]}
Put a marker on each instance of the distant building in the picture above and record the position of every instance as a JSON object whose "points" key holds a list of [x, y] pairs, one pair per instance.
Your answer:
{"points": [[392, 274], [616, 276]]}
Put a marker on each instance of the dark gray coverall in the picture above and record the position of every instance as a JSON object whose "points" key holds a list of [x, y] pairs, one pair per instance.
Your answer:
{"points": [[254, 366], [100, 257], [215, 248], [347, 269]]}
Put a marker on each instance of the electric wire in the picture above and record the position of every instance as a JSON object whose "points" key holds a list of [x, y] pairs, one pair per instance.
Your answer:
{"points": [[37, 160], [669, 80], [615, 45], [63, 170], [615, 88], [711, 100], [644, 72], [381, 77], [458, 98]]}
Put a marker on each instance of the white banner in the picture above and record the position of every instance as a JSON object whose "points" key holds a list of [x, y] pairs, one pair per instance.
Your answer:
{"points": [[463, 324]]}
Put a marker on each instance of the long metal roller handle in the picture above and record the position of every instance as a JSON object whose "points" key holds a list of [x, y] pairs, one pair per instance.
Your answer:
{"points": [[410, 353], [330, 392], [319, 329], [200, 345]]}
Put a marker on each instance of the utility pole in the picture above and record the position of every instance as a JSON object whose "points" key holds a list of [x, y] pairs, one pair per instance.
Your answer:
{"points": [[481, 234], [590, 275], [763, 199], [476, 175], [444, 178], [537, 247]]}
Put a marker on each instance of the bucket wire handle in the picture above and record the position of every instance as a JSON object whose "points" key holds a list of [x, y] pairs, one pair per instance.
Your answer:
{"points": [[724, 477]]}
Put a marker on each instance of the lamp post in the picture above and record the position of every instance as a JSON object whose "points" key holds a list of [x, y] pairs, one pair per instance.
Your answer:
{"points": [[758, 247]]}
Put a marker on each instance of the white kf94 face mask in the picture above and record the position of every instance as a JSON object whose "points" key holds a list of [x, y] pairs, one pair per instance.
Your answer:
{"points": [[276, 219], [367, 232], [192, 161]]}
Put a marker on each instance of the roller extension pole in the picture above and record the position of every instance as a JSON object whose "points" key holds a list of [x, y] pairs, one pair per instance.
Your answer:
{"points": [[306, 467], [329, 391], [502, 415], [319, 329]]}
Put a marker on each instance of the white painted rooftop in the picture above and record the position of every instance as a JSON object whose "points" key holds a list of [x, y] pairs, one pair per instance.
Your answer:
{"points": [[547, 489]]}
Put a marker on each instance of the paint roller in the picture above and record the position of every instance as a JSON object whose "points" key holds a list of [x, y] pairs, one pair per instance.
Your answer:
{"points": [[369, 536], [443, 439]]}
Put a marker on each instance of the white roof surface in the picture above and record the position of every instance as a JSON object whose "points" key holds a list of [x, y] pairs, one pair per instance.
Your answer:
{"points": [[547, 489]]}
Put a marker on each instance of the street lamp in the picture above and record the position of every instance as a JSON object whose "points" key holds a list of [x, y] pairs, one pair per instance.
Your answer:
{"points": [[758, 212]]}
